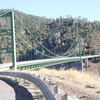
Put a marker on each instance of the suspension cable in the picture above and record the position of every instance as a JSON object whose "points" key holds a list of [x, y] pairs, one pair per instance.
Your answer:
{"points": [[39, 41], [2, 14], [32, 47]]}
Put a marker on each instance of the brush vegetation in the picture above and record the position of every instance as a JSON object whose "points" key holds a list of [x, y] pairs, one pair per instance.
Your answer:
{"points": [[72, 73], [54, 34]]}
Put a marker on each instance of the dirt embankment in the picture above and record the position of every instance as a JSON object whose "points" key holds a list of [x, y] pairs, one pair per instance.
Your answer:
{"points": [[75, 88]]}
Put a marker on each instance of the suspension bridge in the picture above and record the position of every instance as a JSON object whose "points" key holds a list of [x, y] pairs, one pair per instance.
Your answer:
{"points": [[12, 42], [26, 52]]}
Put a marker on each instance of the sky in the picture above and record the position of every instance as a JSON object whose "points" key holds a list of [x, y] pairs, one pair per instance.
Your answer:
{"points": [[89, 9]]}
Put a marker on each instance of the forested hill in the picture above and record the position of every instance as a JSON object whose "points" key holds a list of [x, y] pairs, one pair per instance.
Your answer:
{"points": [[58, 34], [62, 31]]}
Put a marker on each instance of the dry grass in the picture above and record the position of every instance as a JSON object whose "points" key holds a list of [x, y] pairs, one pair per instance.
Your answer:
{"points": [[74, 74]]}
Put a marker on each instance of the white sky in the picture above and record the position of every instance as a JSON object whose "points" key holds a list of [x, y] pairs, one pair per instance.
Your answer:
{"points": [[89, 9]]}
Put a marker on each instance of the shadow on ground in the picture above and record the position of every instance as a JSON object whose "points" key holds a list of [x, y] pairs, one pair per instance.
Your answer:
{"points": [[94, 68], [65, 66], [21, 92]]}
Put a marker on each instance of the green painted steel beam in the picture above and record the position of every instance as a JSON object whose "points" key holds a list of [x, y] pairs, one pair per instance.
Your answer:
{"points": [[6, 14], [36, 65], [3, 30], [5, 49], [5, 52], [45, 64], [5, 34], [13, 39], [11, 32]]}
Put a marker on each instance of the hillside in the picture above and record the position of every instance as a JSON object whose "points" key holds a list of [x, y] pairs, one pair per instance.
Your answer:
{"points": [[55, 34]]}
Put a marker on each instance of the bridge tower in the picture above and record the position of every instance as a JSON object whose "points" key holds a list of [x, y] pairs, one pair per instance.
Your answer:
{"points": [[11, 50]]}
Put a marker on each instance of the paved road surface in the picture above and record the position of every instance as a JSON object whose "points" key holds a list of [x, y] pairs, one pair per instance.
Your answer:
{"points": [[11, 91], [6, 91]]}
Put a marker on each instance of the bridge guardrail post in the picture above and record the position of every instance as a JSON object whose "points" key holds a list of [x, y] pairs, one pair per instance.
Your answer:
{"points": [[55, 89], [86, 62], [82, 65], [44, 79], [64, 97]]}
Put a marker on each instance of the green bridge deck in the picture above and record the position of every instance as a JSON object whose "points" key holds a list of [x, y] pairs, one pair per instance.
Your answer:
{"points": [[26, 65]]}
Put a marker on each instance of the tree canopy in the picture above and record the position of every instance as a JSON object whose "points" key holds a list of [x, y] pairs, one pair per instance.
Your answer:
{"points": [[55, 34]]}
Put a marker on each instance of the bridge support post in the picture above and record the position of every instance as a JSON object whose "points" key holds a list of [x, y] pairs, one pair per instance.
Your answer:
{"points": [[86, 62], [13, 40], [82, 65]]}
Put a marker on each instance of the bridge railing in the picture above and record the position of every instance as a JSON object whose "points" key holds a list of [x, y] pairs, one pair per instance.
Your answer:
{"points": [[46, 90]]}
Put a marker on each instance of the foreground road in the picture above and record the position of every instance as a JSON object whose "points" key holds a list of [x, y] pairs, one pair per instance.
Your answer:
{"points": [[6, 91]]}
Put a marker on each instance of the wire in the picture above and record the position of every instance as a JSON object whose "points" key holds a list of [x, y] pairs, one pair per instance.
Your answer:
{"points": [[32, 47], [69, 49], [25, 41], [39, 41]]}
